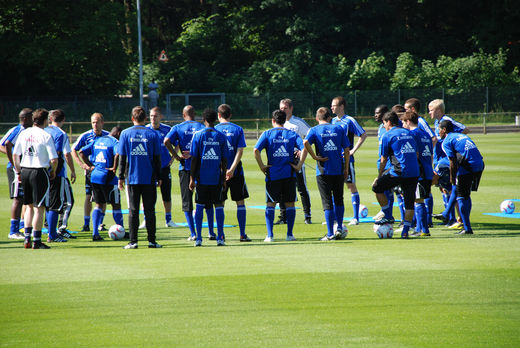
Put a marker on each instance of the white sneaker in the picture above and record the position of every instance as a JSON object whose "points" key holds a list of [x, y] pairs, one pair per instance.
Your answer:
{"points": [[379, 216], [269, 239], [130, 246], [198, 243], [353, 222], [220, 242], [191, 238], [142, 225], [326, 238], [16, 235], [290, 238], [171, 224]]}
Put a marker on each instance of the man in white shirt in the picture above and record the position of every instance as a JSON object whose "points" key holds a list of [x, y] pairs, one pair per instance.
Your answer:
{"points": [[34, 153]]}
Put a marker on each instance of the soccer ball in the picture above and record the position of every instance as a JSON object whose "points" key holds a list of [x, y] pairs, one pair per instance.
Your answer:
{"points": [[116, 232], [344, 231], [384, 231], [363, 211], [507, 207]]}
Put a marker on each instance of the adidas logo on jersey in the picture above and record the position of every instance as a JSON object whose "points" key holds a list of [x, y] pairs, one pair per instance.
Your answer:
{"points": [[330, 146], [230, 147], [407, 148], [139, 151], [469, 145], [210, 155], [426, 152], [281, 152], [100, 158]]}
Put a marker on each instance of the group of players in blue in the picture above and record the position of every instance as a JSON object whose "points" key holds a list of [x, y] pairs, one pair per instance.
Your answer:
{"points": [[411, 158]]}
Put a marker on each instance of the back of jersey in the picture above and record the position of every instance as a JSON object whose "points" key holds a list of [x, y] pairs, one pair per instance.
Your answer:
{"points": [[140, 145], [210, 146]]}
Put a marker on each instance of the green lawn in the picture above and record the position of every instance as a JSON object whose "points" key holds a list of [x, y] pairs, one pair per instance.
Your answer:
{"points": [[437, 291]]}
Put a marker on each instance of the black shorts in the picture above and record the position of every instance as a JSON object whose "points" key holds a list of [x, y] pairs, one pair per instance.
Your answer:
{"points": [[56, 193], [209, 194], [351, 179], [283, 190], [467, 183], [186, 193], [36, 184], [408, 187], [15, 188], [424, 189], [88, 185], [237, 186], [166, 186], [330, 186], [102, 194]]}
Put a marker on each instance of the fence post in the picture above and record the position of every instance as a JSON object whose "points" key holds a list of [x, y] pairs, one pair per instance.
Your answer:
{"points": [[257, 129], [484, 130], [399, 96], [70, 131], [355, 102]]}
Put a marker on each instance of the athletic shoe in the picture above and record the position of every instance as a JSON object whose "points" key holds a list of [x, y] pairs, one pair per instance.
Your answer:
{"points": [[384, 221], [58, 239], [171, 224], [40, 245], [404, 235], [465, 232], [67, 234], [198, 243], [340, 234], [280, 221], [415, 234], [27, 244], [154, 245], [102, 227], [212, 237], [425, 234], [85, 228], [290, 238], [269, 239], [379, 216], [441, 217], [142, 225], [97, 238], [191, 238], [353, 222], [327, 238], [308, 221], [220, 242], [16, 235], [130, 246], [457, 225], [245, 238]]}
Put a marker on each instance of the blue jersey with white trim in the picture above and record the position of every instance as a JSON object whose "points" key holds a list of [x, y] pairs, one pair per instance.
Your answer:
{"points": [[439, 157], [61, 142], [235, 140], [463, 150], [11, 135], [103, 150], [139, 144], [279, 144], [162, 131], [354, 128], [329, 140], [399, 147], [210, 146], [86, 138], [425, 151], [181, 135]]}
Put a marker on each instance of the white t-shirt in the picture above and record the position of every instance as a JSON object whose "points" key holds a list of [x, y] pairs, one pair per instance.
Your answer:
{"points": [[298, 125], [36, 148]]}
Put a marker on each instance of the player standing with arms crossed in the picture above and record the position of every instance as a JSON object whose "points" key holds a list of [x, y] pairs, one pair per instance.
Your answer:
{"points": [[140, 155]]}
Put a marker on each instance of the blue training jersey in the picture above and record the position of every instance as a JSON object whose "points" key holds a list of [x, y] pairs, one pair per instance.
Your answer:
{"points": [[103, 150], [329, 141], [11, 135], [61, 142], [399, 147], [162, 131], [279, 144], [425, 151], [354, 128], [235, 140], [461, 148], [86, 138], [140, 145], [210, 146], [181, 135], [439, 157]]}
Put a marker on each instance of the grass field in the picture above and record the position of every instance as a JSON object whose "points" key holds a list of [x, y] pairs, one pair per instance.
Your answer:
{"points": [[437, 291]]}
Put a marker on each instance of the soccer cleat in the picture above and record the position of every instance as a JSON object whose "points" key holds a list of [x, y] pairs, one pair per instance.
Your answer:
{"points": [[353, 222], [40, 245], [340, 234], [220, 242], [384, 221], [290, 238], [327, 238], [269, 239], [379, 216], [308, 221], [142, 225], [280, 222], [441, 217], [465, 232], [404, 235], [457, 225], [245, 238], [97, 238], [198, 243], [85, 228], [425, 234], [66, 234], [171, 224], [58, 239], [154, 245], [130, 246], [191, 238], [102, 227], [212, 237], [27, 244], [415, 234], [16, 235]]}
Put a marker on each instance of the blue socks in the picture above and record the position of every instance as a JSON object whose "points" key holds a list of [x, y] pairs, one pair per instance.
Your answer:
{"points": [[168, 217], [241, 217], [189, 220], [15, 226], [118, 217], [97, 219], [400, 201], [329, 218], [355, 205], [219, 215], [199, 214], [465, 210], [52, 222], [86, 221], [209, 215], [387, 210], [269, 220], [406, 228], [28, 232], [339, 212], [429, 209], [290, 214]]}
